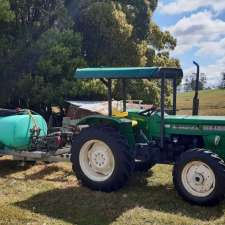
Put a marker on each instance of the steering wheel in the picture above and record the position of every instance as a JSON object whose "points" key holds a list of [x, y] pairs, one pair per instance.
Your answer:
{"points": [[149, 111]]}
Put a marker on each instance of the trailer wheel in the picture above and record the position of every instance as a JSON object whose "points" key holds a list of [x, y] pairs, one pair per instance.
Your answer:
{"points": [[198, 176], [101, 158]]}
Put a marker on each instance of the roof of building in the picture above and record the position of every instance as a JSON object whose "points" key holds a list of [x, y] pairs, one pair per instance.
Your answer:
{"points": [[102, 106]]}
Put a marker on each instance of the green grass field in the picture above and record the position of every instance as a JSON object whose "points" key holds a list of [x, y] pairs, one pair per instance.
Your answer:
{"points": [[50, 194], [212, 102]]}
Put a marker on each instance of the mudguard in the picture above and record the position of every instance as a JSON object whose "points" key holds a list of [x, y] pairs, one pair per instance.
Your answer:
{"points": [[123, 125]]}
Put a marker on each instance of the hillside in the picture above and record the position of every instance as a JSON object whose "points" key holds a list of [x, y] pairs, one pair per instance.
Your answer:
{"points": [[212, 102]]}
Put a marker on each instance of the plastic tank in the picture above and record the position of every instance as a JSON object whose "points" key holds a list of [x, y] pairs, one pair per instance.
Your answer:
{"points": [[15, 130]]}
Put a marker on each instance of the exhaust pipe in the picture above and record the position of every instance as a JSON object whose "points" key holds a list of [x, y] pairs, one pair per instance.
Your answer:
{"points": [[195, 108]]}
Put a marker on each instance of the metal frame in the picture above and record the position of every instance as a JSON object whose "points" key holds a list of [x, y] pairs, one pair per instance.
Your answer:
{"points": [[124, 95], [61, 155], [110, 97], [108, 84], [162, 111], [174, 96], [162, 105]]}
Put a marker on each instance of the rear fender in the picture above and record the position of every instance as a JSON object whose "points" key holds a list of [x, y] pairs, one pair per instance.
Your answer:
{"points": [[124, 126]]}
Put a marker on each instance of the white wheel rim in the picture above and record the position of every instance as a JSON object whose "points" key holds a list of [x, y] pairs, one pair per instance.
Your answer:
{"points": [[96, 160], [198, 179]]}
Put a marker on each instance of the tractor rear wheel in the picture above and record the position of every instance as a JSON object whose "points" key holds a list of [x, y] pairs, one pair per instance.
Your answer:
{"points": [[101, 158], [198, 176]]}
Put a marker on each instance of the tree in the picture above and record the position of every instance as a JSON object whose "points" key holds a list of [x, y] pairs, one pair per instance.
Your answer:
{"points": [[190, 82], [6, 15], [121, 33], [18, 37], [38, 47], [43, 42], [59, 54], [107, 36]]}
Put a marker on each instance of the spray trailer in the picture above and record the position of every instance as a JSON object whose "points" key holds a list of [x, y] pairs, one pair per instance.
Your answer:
{"points": [[24, 135]]}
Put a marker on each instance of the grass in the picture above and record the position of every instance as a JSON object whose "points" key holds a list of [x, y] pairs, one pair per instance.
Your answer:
{"points": [[50, 194], [212, 102]]}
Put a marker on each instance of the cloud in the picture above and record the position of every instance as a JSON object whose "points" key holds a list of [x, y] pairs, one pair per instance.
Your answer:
{"points": [[198, 30], [217, 48], [199, 35], [182, 6]]}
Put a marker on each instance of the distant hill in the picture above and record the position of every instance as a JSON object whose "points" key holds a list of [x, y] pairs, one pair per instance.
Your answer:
{"points": [[212, 102]]}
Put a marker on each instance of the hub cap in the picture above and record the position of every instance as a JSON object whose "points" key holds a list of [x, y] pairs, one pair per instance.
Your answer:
{"points": [[96, 160], [198, 179]]}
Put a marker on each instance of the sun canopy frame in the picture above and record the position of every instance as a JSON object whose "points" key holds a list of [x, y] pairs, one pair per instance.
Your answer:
{"points": [[129, 73], [106, 75]]}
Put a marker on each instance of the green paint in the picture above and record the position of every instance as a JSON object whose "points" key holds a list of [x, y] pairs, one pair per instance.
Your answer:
{"points": [[123, 125], [207, 127], [128, 72]]}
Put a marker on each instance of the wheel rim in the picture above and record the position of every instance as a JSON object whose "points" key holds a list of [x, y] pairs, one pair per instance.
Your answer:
{"points": [[96, 160], [198, 179]]}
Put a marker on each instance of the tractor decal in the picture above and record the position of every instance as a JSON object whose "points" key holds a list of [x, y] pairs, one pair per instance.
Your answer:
{"points": [[214, 128], [185, 127]]}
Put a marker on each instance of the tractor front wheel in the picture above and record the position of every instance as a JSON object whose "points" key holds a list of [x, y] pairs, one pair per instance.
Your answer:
{"points": [[101, 158], [198, 176]]}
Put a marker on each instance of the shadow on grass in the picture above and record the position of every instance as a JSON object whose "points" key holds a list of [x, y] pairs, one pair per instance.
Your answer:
{"points": [[48, 170], [79, 205], [8, 167]]}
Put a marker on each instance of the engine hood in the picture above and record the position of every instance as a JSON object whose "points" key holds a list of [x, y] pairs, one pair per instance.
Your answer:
{"points": [[204, 120]]}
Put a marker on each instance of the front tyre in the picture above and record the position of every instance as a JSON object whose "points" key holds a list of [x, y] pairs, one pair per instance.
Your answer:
{"points": [[101, 158], [198, 176]]}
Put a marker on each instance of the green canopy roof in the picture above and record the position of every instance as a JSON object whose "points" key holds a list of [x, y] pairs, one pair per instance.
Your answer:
{"points": [[128, 72]]}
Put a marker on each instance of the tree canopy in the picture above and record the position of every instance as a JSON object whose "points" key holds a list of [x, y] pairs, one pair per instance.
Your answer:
{"points": [[43, 42]]}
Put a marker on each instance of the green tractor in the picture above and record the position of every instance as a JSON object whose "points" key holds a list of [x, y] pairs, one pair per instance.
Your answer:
{"points": [[109, 148]]}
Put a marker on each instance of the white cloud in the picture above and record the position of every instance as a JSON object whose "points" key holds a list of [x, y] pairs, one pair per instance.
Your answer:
{"points": [[217, 48], [199, 30], [181, 6], [200, 35]]}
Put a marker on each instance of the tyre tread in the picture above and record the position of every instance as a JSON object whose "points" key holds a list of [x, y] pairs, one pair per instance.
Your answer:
{"points": [[125, 156], [219, 167]]}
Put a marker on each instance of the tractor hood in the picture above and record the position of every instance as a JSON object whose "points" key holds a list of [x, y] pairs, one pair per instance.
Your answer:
{"points": [[198, 120]]}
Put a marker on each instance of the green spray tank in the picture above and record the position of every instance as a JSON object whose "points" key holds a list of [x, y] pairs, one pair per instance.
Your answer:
{"points": [[16, 128]]}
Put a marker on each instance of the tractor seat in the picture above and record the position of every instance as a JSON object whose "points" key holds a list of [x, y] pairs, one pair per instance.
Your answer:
{"points": [[124, 114], [120, 114], [134, 123], [7, 112]]}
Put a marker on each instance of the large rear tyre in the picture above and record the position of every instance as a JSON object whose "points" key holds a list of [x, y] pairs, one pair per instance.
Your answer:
{"points": [[198, 176], [101, 158]]}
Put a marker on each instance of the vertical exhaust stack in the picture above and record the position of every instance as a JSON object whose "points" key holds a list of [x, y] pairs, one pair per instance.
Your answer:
{"points": [[195, 108]]}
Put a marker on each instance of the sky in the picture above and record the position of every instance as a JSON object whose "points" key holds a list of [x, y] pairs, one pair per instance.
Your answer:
{"points": [[199, 27]]}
